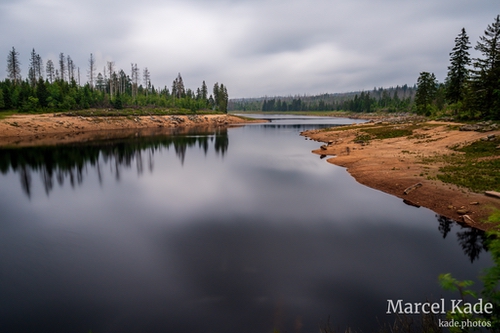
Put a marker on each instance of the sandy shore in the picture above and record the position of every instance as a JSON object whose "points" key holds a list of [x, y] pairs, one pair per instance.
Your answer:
{"points": [[46, 129], [393, 165]]}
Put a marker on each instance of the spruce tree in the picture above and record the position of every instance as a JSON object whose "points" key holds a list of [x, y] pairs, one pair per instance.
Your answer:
{"points": [[458, 73], [51, 76], [486, 78], [426, 92], [14, 66]]}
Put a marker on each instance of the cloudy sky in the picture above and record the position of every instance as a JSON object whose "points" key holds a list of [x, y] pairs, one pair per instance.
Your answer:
{"points": [[254, 47]]}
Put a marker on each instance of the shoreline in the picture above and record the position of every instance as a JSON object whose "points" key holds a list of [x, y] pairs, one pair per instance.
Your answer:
{"points": [[394, 165], [47, 129]]}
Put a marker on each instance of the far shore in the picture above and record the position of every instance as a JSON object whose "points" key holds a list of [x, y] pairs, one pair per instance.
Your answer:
{"points": [[46, 129], [395, 164]]}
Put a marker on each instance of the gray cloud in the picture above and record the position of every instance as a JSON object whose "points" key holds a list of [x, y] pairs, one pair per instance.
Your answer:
{"points": [[254, 47]]}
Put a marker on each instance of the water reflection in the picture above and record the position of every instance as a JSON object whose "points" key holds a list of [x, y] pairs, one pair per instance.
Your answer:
{"points": [[71, 161], [472, 240]]}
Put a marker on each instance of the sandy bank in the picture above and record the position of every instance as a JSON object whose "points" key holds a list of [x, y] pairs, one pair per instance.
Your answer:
{"points": [[46, 129], [393, 165]]}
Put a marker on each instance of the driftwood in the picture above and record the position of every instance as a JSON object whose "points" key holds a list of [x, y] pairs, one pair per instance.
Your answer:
{"points": [[411, 203], [411, 188], [492, 194], [467, 219]]}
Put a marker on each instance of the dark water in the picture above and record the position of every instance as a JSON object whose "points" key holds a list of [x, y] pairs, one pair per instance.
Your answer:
{"points": [[238, 230]]}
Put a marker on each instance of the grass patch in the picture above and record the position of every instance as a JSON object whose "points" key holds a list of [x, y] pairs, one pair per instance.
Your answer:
{"points": [[8, 113], [389, 132], [476, 168]]}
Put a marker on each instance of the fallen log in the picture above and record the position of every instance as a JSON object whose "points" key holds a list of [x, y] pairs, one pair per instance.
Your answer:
{"points": [[411, 188], [467, 219], [492, 194], [411, 203]]}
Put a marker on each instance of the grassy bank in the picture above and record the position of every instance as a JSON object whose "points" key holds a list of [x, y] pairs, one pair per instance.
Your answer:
{"points": [[475, 166]]}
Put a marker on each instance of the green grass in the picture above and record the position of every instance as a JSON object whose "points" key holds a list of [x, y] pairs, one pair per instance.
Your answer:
{"points": [[7, 113], [477, 168]]}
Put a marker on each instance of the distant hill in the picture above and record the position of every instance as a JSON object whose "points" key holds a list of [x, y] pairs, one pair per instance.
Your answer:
{"points": [[399, 98]]}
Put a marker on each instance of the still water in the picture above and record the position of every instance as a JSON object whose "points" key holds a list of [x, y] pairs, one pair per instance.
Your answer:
{"points": [[229, 230]]}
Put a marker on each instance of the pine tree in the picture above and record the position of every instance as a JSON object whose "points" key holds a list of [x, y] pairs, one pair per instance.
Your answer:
{"points": [[34, 70], [458, 73], [50, 69], [62, 67], [14, 66], [178, 89], [486, 78], [204, 91], [426, 92]]}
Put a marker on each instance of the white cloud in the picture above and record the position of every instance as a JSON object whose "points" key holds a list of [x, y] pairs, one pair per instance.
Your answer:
{"points": [[254, 47]]}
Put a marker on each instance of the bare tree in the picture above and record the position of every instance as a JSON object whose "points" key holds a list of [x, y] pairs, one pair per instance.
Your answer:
{"points": [[111, 71], [135, 79], [91, 72], [146, 76], [71, 69]]}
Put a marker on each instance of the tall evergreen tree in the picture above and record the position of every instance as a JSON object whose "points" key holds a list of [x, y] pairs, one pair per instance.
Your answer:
{"points": [[35, 70], [204, 91], [62, 66], [178, 89], [14, 66], [426, 92], [50, 70], [458, 73], [486, 78]]}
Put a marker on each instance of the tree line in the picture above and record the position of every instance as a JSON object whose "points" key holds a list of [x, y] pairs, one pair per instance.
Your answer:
{"points": [[53, 86], [399, 98], [472, 86]]}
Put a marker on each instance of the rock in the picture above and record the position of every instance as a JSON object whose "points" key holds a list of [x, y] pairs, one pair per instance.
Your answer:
{"points": [[323, 147], [492, 194], [462, 211], [474, 203], [491, 137], [469, 128]]}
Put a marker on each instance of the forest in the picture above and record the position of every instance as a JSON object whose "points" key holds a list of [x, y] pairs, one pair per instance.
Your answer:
{"points": [[471, 89], [379, 99], [472, 86], [57, 87]]}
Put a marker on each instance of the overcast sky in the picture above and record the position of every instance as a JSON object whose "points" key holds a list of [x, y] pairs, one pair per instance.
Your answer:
{"points": [[254, 47]]}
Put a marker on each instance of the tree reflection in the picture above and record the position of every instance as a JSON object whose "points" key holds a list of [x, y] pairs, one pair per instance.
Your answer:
{"points": [[472, 240], [70, 161]]}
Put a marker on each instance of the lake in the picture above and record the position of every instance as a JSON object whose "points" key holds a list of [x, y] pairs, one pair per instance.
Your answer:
{"points": [[226, 230]]}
